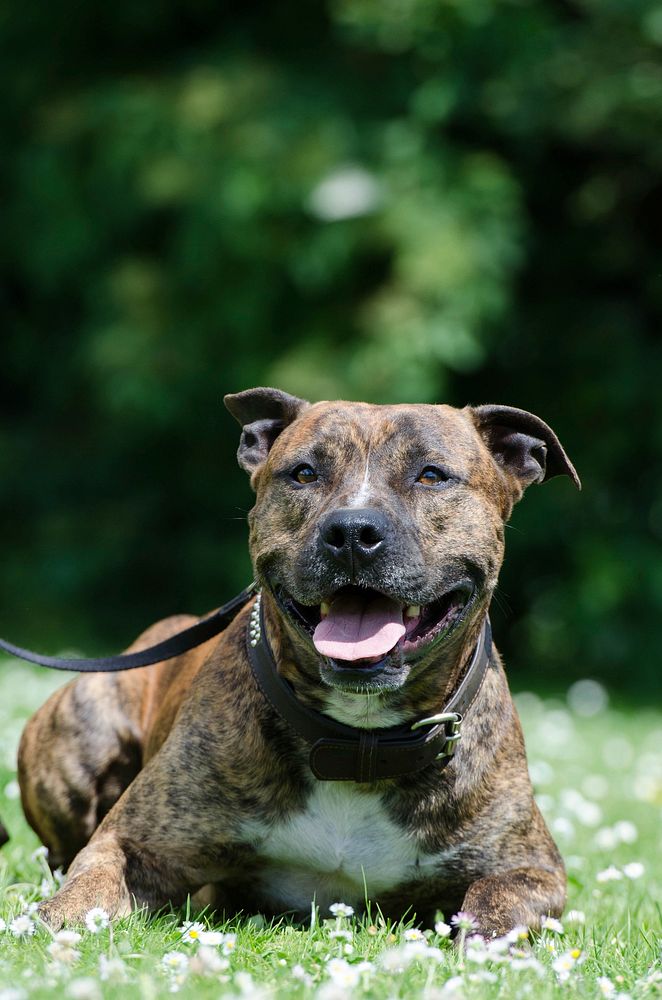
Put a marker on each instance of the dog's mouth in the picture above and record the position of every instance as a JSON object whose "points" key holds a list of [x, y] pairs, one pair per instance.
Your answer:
{"points": [[358, 628]]}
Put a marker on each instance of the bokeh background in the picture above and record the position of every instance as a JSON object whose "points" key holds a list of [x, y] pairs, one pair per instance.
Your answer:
{"points": [[391, 200]]}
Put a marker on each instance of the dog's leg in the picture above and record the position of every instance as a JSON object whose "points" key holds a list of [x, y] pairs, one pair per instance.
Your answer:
{"points": [[520, 897], [77, 755], [167, 836], [97, 878], [120, 875]]}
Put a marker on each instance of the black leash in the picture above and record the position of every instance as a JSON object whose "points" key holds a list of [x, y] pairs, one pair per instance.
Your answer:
{"points": [[166, 650]]}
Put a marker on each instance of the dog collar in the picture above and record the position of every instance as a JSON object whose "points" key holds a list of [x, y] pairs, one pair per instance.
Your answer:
{"points": [[345, 753]]}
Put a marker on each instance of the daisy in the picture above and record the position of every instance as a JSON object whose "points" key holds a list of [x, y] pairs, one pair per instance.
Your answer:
{"points": [[175, 961], [111, 969], [442, 929], [211, 938], [342, 973], [68, 937], [413, 934], [464, 921], [229, 943], [634, 869], [22, 926], [552, 924], [96, 920], [611, 874], [341, 910], [190, 931], [62, 953], [565, 963]]}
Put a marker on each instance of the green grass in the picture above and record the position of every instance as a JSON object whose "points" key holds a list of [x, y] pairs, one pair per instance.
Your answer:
{"points": [[599, 781]]}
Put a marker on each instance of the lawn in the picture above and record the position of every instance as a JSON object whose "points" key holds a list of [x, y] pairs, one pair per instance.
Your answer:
{"points": [[598, 775]]}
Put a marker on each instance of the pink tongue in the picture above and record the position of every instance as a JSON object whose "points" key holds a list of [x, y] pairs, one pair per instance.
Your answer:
{"points": [[356, 629]]}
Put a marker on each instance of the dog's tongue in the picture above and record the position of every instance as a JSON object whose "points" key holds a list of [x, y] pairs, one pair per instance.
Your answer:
{"points": [[359, 628]]}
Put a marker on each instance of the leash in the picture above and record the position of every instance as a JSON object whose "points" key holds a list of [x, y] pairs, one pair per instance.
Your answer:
{"points": [[345, 753], [177, 644]]}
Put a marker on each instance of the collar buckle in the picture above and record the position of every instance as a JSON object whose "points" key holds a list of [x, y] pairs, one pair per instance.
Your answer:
{"points": [[452, 722]]}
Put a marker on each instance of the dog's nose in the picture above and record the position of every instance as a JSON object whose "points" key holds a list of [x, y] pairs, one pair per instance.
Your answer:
{"points": [[354, 535]]}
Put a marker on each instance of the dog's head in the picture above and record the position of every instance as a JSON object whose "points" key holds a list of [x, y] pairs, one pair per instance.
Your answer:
{"points": [[379, 529]]}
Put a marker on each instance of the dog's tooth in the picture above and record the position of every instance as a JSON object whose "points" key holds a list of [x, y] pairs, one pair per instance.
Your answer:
{"points": [[413, 611], [325, 607]]}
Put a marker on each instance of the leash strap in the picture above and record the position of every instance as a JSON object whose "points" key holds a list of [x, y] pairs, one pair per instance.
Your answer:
{"points": [[166, 650], [344, 753]]}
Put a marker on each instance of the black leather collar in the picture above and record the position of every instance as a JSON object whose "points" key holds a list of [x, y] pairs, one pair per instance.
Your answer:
{"points": [[344, 753]]}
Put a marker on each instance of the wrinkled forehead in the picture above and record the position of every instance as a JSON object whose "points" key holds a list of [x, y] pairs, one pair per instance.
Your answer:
{"points": [[349, 431]]}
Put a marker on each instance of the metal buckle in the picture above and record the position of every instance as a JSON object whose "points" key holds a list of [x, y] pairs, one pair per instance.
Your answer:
{"points": [[433, 720], [453, 725]]}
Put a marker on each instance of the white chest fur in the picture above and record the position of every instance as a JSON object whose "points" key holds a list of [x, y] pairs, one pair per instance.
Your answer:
{"points": [[342, 846]]}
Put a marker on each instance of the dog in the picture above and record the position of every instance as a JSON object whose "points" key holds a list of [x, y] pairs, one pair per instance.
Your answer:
{"points": [[351, 735]]}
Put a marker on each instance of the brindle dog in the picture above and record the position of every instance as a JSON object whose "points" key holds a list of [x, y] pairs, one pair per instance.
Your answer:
{"points": [[386, 522]]}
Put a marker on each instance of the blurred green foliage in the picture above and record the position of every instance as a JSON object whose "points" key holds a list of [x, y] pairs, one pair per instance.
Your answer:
{"points": [[418, 200]]}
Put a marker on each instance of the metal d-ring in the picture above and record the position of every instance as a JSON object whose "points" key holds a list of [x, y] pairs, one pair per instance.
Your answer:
{"points": [[453, 724], [433, 720]]}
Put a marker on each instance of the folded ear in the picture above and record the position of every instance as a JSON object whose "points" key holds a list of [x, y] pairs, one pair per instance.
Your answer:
{"points": [[262, 413], [523, 445]]}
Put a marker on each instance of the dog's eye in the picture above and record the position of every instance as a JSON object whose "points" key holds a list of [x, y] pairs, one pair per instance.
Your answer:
{"points": [[431, 476], [304, 474]]}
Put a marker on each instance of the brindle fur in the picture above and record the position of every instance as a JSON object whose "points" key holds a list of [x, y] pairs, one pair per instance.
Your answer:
{"points": [[143, 784]]}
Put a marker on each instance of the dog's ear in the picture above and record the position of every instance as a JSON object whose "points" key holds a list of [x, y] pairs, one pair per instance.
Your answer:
{"points": [[262, 413], [523, 445]]}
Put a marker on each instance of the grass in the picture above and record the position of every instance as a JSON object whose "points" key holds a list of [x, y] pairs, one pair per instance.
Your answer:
{"points": [[598, 775]]}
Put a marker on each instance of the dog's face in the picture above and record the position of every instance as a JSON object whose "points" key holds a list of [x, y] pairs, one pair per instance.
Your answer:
{"points": [[379, 529]]}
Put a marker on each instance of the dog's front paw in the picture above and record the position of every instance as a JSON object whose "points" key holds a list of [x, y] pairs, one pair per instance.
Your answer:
{"points": [[88, 891], [52, 913]]}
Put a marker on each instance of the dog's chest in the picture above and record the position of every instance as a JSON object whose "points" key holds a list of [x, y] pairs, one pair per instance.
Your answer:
{"points": [[341, 846]]}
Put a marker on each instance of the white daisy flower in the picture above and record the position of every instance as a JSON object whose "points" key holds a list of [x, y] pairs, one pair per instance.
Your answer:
{"points": [[626, 831], [442, 929], [341, 935], [211, 938], [84, 988], [342, 973], [453, 988], [111, 969], [229, 943], [552, 924], [62, 953], [606, 987], [634, 869], [476, 951], [611, 874], [68, 937], [413, 934], [392, 960], [518, 934], [208, 961], [341, 910], [175, 961], [22, 926], [96, 919], [420, 951], [190, 931], [575, 917], [565, 963], [527, 963], [464, 921]]}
